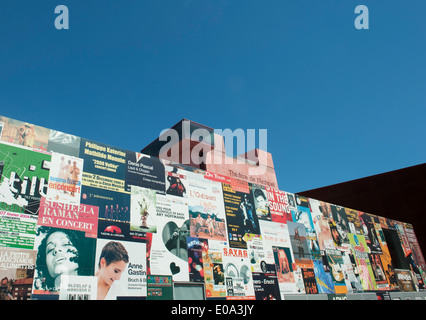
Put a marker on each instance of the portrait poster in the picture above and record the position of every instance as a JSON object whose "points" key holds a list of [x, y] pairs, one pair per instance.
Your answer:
{"points": [[61, 252], [129, 277], [261, 203], [285, 269]]}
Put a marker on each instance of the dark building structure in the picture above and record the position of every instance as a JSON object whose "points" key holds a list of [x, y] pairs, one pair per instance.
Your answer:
{"points": [[398, 195]]}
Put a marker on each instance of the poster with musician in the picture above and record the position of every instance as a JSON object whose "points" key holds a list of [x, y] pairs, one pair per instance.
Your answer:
{"points": [[240, 216], [261, 203], [336, 265]]}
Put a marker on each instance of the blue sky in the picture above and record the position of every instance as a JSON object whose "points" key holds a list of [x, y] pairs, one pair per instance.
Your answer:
{"points": [[338, 103]]}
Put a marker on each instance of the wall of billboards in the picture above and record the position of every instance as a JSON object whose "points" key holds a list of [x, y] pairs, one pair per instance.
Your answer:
{"points": [[81, 219]]}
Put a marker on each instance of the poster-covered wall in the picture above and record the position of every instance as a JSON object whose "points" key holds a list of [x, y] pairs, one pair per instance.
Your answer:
{"points": [[81, 219]]}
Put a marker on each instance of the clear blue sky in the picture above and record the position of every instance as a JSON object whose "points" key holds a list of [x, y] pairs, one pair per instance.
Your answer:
{"points": [[338, 103]]}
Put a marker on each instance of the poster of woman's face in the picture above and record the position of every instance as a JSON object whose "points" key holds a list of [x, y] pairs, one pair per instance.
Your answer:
{"points": [[61, 252]]}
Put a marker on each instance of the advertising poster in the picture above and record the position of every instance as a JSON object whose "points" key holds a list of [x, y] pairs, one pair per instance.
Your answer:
{"points": [[214, 276], [196, 249], [405, 280], [240, 216], [113, 212], [80, 217], [78, 288], [261, 203], [24, 134], [63, 143], [16, 273], [399, 226], [284, 264], [350, 270], [302, 214], [17, 230], [61, 252], [388, 269], [144, 171], [24, 178], [104, 166], [321, 225], [143, 209], [353, 220], [206, 208], [414, 245], [238, 276], [176, 181], [309, 281], [369, 231], [378, 271], [280, 205], [360, 251], [65, 179], [300, 244], [159, 287], [120, 269], [266, 286], [336, 265], [169, 245], [339, 227], [322, 274]]}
